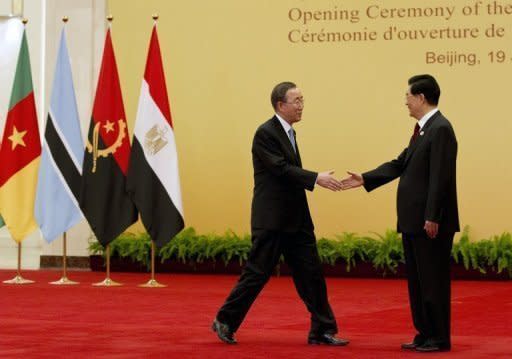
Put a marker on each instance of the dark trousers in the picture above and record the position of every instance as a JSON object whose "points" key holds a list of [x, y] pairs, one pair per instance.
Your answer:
{"points": [[428, 276], [301, 254]]}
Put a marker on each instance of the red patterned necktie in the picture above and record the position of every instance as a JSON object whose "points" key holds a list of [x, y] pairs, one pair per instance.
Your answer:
{"points": [[415, 133]]}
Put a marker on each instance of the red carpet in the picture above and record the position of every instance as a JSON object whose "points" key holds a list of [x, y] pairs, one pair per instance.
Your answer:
{"points": [[45, 321]]}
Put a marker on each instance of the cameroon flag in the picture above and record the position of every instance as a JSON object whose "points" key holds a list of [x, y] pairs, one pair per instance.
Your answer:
{"points": [[20, 153]]}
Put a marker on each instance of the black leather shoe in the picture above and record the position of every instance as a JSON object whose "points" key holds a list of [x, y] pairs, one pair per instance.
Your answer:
{"points": [[409, 346], [430, 347], [417, 341], [223, 332], [327, 339]]}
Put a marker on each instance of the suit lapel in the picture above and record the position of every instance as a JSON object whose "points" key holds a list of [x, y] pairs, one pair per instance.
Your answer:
{"points": [[283, 138], [423, 133]]}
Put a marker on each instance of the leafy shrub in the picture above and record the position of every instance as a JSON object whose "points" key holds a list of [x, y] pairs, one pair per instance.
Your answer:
{"points": [[384, 251]]}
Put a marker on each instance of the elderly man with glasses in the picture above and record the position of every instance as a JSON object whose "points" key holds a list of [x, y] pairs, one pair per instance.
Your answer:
{"points": [[281, 224]]}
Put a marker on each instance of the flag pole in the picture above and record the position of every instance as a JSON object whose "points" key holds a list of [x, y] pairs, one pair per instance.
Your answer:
{"points": [[107, 282], [64, 279], [18, 279], [152, 283], [140, 163]]}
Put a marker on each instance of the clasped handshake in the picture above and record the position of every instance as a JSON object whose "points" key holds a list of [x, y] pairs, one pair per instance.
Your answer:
{"points": [[327, 180]]}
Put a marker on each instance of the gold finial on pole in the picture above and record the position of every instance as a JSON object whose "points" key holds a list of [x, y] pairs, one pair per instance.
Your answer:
{"points": [[24, 21], [110, 18], [65, 19], [155, 17]]}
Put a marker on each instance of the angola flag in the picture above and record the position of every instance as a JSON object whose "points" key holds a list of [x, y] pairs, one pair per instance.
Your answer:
{"points": [[20, 152], [153, 177], [104, 200]]}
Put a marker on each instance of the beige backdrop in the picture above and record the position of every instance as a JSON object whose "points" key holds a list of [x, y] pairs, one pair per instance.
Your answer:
{"points": [[223, 57]]}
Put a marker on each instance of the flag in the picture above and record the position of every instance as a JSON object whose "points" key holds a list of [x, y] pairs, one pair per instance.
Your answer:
{"points": [[58, 187], [153, 178], [104, 200], [20, 152], [2, 223]]}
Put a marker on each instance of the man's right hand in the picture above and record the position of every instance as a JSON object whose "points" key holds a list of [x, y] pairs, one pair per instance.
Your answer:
{"points": [[326, 180], [353, 181]]}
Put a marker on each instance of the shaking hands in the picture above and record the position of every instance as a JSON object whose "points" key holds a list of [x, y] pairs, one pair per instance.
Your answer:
{"points": [[327, 180], [354, 180]]}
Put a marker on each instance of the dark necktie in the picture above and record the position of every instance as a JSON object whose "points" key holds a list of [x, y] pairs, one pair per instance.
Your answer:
{"points": [[291, 136], [415, 133]]}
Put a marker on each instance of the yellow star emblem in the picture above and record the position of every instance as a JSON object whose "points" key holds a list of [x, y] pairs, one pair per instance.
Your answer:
{"points": [[109, 126], [17, 138]]}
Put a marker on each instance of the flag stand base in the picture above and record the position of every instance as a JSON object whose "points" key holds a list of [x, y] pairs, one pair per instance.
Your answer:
{"points": [[107, 282], [152, 283], [64, 281], [18, 280]]}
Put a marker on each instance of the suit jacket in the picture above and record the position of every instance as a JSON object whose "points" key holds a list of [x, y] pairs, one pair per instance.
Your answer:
{"points": [[279, 198], [427, 169]]}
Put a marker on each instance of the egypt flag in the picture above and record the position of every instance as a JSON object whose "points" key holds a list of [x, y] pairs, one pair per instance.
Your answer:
{"points": [[104, 200], [20, 153], [60, 174], [153, 178]]}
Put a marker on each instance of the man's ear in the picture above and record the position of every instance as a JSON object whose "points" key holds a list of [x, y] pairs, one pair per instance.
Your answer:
{"points": [[278, 107]]}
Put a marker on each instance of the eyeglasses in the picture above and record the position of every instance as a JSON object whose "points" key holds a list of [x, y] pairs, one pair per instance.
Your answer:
{"points": [[297, 102], [408, 94]]}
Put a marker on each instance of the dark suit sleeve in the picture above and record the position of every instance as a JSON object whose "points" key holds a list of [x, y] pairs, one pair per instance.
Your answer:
{"points": [[443, 156], [268, 150], [384, 173]]}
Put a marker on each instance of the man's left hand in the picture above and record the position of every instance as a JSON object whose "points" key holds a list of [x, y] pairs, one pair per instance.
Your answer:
{"points": [[431, 228]]}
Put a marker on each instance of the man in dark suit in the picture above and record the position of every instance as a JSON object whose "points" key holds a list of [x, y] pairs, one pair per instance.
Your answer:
{"points": [[427, 212], [281, 224]]}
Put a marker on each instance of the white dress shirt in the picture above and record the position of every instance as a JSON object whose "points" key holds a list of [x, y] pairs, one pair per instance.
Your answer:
{"points": [[426, 117]]}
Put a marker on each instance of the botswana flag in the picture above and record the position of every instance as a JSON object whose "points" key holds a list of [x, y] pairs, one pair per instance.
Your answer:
{"points": [[60, 174]]}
